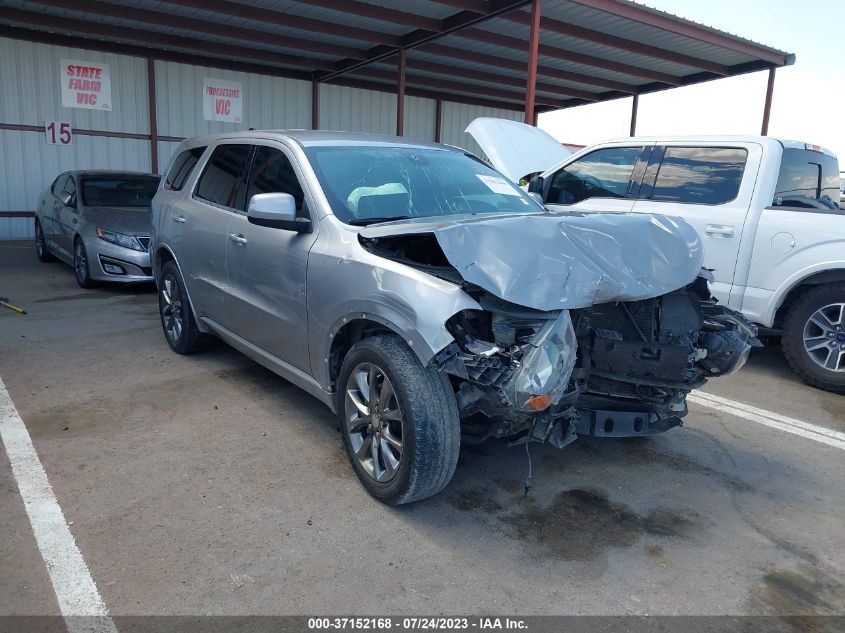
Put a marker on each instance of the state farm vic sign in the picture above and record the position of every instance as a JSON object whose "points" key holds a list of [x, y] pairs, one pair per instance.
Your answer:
{"points": [[85, 85], [222, 100]]}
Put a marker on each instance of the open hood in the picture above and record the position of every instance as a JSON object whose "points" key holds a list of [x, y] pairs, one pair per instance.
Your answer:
{"points": [[516, 149], [550, 261]]}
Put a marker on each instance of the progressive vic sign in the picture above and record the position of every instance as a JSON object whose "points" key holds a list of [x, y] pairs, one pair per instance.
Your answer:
{"points": [[85, 85], [222, 100]]}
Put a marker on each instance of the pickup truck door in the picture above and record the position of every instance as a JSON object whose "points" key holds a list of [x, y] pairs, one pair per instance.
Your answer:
{"points": [[710, 185], [602, 181], [266, 299]]}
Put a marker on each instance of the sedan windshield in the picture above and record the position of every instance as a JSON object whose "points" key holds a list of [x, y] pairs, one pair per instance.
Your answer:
{"points": [[368, 184], [118, 191]]}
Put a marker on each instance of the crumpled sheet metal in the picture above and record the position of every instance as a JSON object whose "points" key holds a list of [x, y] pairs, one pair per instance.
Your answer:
{"points": [[552, 262]]}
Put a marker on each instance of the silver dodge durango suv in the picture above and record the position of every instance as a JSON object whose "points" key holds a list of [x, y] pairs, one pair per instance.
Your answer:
{"points": [[428, 301]]}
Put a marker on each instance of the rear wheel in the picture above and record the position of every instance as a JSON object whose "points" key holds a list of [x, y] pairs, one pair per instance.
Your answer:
{"points": [[41, 248], [399, 421], [177, 318], [814, 337], [81, 265]]}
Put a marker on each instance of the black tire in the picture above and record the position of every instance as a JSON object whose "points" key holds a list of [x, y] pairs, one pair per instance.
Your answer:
{"points": [[430, 427], [41, 248], [174, 308], [81, 265], [797, 323]]}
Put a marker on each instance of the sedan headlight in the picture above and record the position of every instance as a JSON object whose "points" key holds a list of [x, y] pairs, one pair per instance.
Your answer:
{"points": [[544, 373], [126, 241]]}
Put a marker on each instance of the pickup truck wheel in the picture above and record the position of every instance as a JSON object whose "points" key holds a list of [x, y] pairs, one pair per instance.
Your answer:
{"points": [[177, 318], [814, 337], [399, 421]]}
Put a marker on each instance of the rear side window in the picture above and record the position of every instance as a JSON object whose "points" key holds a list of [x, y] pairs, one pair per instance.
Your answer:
{"points": [[222, 180], [272, 172], [699, 175], [807, 180], [605, 173], [182, 168]]}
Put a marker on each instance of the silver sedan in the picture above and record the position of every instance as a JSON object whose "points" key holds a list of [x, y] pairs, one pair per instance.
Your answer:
{"points": [[98, 222]]}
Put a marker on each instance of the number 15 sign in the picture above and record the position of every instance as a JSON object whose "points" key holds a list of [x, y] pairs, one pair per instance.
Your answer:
{"points": [[58, 133]]}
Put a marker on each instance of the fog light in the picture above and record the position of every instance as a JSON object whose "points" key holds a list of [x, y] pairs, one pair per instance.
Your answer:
{"points": [[113, 269]]}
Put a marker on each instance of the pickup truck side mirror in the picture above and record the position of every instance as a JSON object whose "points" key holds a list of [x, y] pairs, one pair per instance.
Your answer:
{"points": [[536, 185], [276, 211]]}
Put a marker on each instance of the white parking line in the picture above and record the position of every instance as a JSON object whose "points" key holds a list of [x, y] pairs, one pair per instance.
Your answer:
{"points": [[75, 589], [770, 419]]}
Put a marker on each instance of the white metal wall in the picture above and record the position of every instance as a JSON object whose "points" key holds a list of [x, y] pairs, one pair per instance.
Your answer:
{"points": [[28, 165]]}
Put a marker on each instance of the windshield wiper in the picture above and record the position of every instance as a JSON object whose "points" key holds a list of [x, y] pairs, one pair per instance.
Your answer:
{"points": [[366, 221]]}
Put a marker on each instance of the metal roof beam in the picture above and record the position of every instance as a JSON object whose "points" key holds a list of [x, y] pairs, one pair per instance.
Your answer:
{"points": [[605, 39], [546, 71], [377, 12], [517, 44], [289, 20], [153, 39], [452, 24], [477, 6], [159, 18], [660, 20]]}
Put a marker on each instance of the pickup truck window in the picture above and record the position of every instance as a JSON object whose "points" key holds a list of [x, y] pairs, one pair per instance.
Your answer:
{"points": [[699, 175], [221, 182], [604, 173], [807, 180]]}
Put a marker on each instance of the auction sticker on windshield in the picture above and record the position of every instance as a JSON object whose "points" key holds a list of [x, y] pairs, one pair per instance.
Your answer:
{"points": [[497, 185]]}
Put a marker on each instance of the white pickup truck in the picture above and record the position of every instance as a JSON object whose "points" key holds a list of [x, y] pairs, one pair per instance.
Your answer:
{"points": [[767, 211]]}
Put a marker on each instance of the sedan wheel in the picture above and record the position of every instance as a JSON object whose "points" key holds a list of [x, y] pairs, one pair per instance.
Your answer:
{"points": [[41, 248], [80, 265], [374, 422]]}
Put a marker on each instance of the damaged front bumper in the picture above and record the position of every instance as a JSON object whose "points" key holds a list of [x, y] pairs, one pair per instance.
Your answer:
{"points": [[611, 370]]}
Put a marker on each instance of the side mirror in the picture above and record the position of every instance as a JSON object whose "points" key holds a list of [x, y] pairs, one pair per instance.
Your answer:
{"points": [[276, 211], [536, 185], [66, 198]]}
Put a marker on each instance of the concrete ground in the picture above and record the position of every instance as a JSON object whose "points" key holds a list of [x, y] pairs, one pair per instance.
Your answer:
{"points": [[207, 485]]}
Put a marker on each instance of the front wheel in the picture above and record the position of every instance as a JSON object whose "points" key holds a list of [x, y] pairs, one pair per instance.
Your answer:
{"points": [[81, 265], [399, 421], [814, 337]]}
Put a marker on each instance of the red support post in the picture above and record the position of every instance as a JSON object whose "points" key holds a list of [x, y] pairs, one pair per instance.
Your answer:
{"points": [[151, 93], [767, 108], [634, 106], [533, 49], [400, 95], [438, 119], [315, 104]]}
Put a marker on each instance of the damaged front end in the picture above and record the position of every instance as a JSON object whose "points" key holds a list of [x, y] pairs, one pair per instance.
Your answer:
{"points": [[601, 328], [615, 370]]}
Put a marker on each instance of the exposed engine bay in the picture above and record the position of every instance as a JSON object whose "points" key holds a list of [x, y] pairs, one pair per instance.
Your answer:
{"points": [[613, 369]]}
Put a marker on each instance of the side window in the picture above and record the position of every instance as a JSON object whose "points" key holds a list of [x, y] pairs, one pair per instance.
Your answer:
{"points": [[59, 185], [272, 172], [182, 168], [807, 180], [221, 182], [604, 173], [699, 175], [70, 187]]}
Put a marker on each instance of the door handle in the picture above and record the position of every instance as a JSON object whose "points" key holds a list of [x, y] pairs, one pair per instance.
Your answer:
{"points": [[74, 220], [178, 218], [720, 230], [237, 238]]}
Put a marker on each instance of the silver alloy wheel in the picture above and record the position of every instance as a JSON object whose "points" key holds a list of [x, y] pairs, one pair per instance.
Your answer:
{"points": [[824, 337], [171, 309], [374, 422], [81, 260]]}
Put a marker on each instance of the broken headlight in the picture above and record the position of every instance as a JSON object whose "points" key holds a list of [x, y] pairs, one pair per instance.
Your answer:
{"points": [[544, 372]]}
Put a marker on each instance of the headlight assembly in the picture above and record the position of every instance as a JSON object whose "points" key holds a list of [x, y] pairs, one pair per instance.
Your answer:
{"points": [[126, 241]]}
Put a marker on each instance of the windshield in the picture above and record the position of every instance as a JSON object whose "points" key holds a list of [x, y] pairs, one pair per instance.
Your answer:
{"points": [[118, 191], [367, 184]]}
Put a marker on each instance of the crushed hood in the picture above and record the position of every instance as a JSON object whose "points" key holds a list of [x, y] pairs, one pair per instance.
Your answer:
{"points": [[516, 149], [552, 262]]}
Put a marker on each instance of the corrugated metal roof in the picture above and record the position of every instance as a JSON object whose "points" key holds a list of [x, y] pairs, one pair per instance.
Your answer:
{"points": [[589, 49]]}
